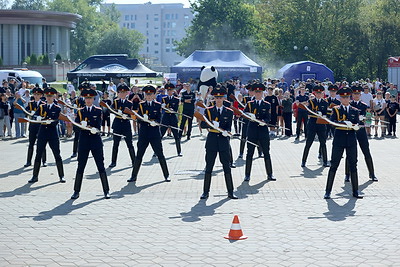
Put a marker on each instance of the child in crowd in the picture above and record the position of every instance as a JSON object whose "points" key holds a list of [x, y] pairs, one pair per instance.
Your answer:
{"points": [[368, 121]]}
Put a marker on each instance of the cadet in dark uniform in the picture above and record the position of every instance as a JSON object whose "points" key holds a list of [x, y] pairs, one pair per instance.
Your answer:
{"points": [[90, 141], [34, 127], [122, 125], [258, 133], [78, 102], [320, 106], [218, 142], [344, 139], [301, 113], [332, 101], [149, 132], [187, 98], [168, 118], [245, 100], [48, 134], [273, 101], [361, 135]]}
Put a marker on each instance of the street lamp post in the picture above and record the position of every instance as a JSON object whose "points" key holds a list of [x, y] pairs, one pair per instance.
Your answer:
{"points": [[299, 50]]}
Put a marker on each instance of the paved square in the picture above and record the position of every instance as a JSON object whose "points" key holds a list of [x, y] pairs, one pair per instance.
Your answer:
{"points": [[151, 222]]}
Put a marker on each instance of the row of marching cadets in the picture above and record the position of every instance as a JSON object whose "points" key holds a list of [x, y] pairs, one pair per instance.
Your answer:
{"points": [[346, 125]]}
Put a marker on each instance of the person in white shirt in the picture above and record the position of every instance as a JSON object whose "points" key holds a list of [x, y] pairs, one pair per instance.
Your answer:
{"points": [[70, 87], [111, 89], [366, 96], [379, 106]]}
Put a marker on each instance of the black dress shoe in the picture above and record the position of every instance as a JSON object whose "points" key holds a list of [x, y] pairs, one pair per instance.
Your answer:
{"points": [[240, 156], [27, 164], [33, 180], [271, 178], [75, 195], [326, 164], [204, 196], [107, 195], [232, 165], [327, 196], [319, 156], [73, 155], [347, 178], [44, 164], [374, 179], [132, 179], [62, 180], [232, 196], [247, 178], [167, 179], [112, 165], [188, 138], [180, 155], [260, 155], [303, 164], [357, 195]]}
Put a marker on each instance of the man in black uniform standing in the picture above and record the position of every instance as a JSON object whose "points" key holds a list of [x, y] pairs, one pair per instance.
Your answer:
{"points": [[361, 135], [121, 125], [34, 127], [344, 139], [78, 102], [320, 106], [149, 132], [188, 99], [257, 132], [301, 113], [218, 141], [170, 118], [48, 113], [90, 116]]}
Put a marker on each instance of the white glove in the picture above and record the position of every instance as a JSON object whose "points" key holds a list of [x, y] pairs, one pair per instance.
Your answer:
{"points": [[216, 124], [163, 105], [145, 117], [356, 127], [47, 122], [252, 116], [262, 124], [319, 113], [348, 123], [153, 123], [124, 116], [38, 118], [94, 131], [323, 116], [119, 111], [75, 106], [225, 133], [32, 113], [361, 118], [84, 123]]}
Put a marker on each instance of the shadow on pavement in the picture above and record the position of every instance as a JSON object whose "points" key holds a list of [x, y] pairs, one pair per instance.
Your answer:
{"points": [[308, 173], [131, 189], [25, 189], [16, 172], [245, 189], [200, 210], [61, 210]]}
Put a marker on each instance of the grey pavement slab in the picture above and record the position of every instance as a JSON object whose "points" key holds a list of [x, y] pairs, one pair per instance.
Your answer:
{"points": [[153, 223]]}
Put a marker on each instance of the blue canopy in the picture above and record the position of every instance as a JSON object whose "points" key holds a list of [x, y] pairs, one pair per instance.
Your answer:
{"points": [[229, 64], [304, 70]]}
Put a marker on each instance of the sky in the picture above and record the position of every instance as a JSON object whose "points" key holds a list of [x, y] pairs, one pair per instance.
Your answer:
{"points": [[184, 2]]}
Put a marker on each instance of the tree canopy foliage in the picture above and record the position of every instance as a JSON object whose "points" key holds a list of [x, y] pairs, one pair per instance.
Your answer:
{"points": [[352, 37]]}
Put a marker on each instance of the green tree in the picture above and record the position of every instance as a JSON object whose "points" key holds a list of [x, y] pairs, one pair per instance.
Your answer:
{"points": [[3, 4], [33, 60], [29, 4], [230, 24], [120, 41]]}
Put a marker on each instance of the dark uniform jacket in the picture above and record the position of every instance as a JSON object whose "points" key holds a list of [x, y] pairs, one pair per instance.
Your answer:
{"points": [[317, 106], [48, 131], [215, 140], [262, 112], [170, 103], [93, 119], [120, 125], [33, 106], [345, 136], [153, 112], [188, 107]]}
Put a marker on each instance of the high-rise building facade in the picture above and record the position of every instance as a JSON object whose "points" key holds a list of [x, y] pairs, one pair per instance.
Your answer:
{"points": [[161, 24]]}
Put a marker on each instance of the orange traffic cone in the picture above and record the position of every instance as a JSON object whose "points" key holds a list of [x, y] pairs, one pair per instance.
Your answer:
{"points": [[236, 231]]}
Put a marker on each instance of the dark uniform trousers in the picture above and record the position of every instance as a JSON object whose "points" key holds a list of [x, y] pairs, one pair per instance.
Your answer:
{"points": [[33, 133], [189, 111], [48, 135], [344, 139], [149, 135], [216, 144], [301, 115], [313, 128], [171, 120], [90, 143], [123, 127], [79, 103], [287, 118], [258, 135]]}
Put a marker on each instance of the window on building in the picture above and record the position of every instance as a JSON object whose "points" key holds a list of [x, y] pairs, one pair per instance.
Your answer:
{"points": [[126, 17], [131, 17], [176, 16], [186, 16], [167, 49], [155, 19], [135, 17], [155, 27], [173, 33], [127, 25], [132, 25], [147, 49], [156, 35], [147, 41], [156, 44], [156, 52], [147, 24], [173, 24], [147, 33], [167, 40], [167, 16], [147, 17], [124, 25]]}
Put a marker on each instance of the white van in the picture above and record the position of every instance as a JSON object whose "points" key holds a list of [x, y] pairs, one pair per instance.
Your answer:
{"points": [[33, 77]]}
